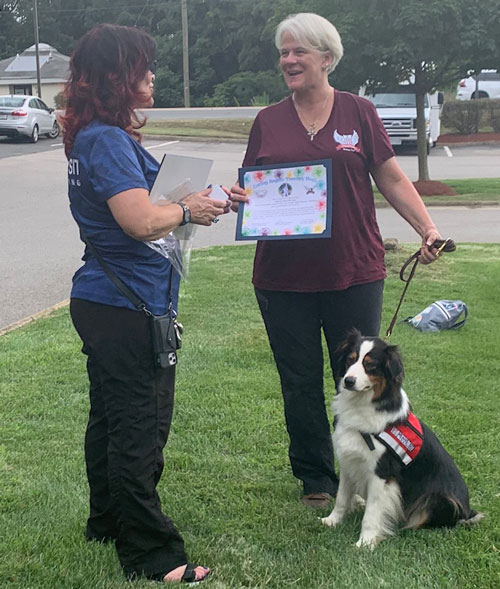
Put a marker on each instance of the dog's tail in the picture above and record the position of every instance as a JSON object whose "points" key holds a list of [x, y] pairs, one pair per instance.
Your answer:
{"points": [[435, 510], [474, 518]]}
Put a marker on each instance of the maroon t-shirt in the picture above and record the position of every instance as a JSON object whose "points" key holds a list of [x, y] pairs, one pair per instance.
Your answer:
{"points": [[355, 140]]}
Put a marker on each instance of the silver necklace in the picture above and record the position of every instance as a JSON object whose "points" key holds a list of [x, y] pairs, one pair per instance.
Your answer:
{"points": [[312, 132]]}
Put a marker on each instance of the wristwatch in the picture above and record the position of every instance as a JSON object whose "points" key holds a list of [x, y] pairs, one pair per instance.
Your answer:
{"points": [[186, 214]]}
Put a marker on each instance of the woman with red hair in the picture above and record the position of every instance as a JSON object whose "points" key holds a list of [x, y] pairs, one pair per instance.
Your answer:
{"points": [[131, 398]]}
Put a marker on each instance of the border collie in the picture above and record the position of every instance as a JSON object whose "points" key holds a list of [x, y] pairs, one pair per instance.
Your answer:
{"points": [[386, 455]]}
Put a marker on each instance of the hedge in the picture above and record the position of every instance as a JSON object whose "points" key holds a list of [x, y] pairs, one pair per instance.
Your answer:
{"points": [[467, 116]]}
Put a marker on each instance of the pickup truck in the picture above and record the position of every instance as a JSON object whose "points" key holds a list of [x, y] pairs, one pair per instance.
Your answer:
{"points": [[398, 111]]}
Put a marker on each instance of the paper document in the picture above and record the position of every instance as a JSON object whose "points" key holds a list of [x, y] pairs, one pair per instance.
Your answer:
{"points": [[286, 201], [176, 170]]}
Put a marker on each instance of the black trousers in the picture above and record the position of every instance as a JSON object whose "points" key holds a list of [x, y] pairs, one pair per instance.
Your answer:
{"points": [[131, 405], [294, 322]]}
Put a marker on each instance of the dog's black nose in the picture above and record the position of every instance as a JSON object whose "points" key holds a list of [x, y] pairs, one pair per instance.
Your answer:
{"points": [[349, 382]]}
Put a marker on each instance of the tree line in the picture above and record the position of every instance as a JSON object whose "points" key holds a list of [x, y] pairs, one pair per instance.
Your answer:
{"points": [[232, 55]]}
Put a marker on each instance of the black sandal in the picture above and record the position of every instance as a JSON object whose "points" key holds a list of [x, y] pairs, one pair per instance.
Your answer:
{"points": [[189, 575]]}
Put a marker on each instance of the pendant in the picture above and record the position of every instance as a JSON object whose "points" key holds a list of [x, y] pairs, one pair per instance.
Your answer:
{"points": [[312, 132]]}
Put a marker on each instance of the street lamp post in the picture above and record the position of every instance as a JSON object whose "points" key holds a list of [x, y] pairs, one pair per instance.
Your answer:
{"points": [[35, 22], [185, 53]]}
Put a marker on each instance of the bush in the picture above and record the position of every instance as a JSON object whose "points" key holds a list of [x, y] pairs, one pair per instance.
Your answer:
{"points": [[464, 116], [247, 88], [493, 114], [59, 100]]}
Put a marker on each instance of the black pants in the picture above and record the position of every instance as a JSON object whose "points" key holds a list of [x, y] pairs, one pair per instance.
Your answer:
{"points": [[294, 322], [131, 404]]}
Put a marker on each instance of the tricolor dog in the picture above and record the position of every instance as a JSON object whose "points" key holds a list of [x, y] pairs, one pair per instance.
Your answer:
{"points": [[386, 455]]}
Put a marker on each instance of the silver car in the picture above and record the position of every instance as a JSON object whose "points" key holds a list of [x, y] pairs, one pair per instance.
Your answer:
{"points": [[27, 116]]}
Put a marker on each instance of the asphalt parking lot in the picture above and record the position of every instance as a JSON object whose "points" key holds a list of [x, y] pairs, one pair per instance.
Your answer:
{"points": [[39, 240]]}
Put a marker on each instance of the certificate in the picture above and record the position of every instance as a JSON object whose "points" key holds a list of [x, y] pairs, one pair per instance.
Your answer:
{"points": [[287, 201]]}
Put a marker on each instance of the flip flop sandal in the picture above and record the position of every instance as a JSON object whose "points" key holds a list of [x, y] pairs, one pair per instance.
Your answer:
{"points": [[189, 575]]}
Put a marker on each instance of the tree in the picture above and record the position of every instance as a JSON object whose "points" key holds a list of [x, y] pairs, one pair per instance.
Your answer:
{"points": [[389, 41]]}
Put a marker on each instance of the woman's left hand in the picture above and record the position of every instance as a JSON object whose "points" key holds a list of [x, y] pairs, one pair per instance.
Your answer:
{"points": [[238, 194], [427, 252]]}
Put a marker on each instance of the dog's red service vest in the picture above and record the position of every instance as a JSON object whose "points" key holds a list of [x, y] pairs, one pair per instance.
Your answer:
{"points": [[404, 439]]}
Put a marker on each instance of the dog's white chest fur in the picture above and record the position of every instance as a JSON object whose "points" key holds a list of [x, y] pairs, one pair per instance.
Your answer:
{"points": [[355, 457]]}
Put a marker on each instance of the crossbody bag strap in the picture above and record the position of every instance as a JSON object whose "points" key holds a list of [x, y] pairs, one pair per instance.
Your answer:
{"points": [[120, 285]]}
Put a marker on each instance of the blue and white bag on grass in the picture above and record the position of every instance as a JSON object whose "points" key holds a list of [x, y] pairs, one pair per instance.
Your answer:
{"points": [[439, 316]]}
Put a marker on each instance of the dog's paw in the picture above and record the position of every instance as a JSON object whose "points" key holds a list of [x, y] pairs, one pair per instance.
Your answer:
{"points": [[331, 521], [368, 542], [357, 502]]}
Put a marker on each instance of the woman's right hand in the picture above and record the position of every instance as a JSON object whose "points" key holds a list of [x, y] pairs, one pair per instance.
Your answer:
{"points": [[203, 208]]}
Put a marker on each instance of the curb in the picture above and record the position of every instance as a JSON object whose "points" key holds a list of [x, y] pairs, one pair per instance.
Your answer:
{"points": [[34, 317], [466, 143], [467, 205], [243, 140]]}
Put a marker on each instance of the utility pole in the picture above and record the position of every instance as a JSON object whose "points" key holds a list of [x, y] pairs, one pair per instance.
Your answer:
{"points": [[35, 22], [185, 52]]}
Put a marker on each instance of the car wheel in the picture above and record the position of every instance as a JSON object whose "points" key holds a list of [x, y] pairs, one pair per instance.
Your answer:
{"points": [[54, 132], [34, 134], [481, 95]]}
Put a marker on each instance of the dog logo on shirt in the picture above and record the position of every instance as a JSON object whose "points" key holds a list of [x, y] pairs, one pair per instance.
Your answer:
{"points": [[347, 142]]}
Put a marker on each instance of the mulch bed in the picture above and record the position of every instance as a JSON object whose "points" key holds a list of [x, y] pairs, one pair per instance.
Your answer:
{"points": [[476, 138], [433, 188]]}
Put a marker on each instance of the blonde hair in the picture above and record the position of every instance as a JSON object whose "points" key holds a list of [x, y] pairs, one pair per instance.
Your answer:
{"points": [[313, 32]]}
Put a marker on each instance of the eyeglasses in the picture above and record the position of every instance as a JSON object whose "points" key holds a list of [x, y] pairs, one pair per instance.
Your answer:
{"points": [[152, 66]]}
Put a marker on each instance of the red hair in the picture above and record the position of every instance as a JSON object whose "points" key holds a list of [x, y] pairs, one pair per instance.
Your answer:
{"points": [[107, 66]]}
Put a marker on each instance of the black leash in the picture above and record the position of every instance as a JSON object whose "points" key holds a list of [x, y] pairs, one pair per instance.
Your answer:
{"points": [[444, 246]]}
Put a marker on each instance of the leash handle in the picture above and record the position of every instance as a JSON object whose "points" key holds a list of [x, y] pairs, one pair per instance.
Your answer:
{"points": [[415, 260], [443, 245]]}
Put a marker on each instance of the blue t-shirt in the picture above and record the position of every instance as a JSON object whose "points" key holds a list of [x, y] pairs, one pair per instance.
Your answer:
{"points": [[106, 160]]}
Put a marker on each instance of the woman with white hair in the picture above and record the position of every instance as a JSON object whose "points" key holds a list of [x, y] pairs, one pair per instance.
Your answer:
{"points": [[306, 286]]}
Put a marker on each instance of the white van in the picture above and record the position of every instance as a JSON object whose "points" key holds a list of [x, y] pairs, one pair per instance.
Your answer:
{"points": [[398, 111]]}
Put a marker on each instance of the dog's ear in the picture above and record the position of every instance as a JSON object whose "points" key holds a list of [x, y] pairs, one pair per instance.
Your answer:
{"points": [[343, 350], [352, 337], [394, 364], [349, 342]]}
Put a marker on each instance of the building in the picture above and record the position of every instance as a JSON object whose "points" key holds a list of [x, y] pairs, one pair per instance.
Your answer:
{"points": [[18, 74]]}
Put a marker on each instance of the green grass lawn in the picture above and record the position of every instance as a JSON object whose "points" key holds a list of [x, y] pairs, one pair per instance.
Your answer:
{"points": [[216, 128], [470, 192], [220, 128], [227, 482]]}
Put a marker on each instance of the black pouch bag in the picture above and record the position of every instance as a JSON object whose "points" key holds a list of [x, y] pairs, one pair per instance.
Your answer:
{"points": [[166, 334]]}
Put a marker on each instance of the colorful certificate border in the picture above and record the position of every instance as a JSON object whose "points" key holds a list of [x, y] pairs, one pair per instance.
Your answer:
{"points": [[299, 168]]}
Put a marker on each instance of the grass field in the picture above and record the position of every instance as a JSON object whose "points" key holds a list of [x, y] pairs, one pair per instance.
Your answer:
{"points": [[220, 128], [227, 482], [470, 192], [216, 128]]}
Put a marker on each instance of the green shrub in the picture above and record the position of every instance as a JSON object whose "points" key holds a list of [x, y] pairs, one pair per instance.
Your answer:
{"points": [[59, 100], [262, 100], [243, 88], [493, 115], [464, 116]]}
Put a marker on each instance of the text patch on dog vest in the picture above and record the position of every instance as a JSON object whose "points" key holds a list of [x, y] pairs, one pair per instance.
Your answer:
{"points": [[404, 439]]}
